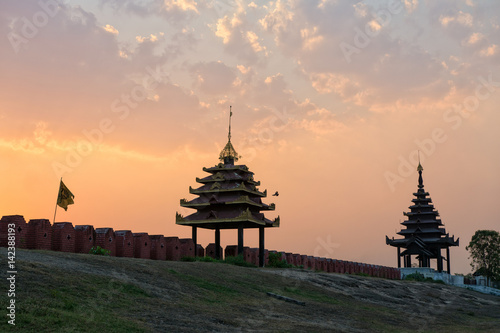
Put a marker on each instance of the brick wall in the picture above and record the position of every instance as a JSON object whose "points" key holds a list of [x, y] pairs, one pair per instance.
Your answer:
{"points": [[187, 247], [158, 249], [20, 230], [39, 235], [173, 248], [200, 250], [105, 238], [124, 243], [142, 245], [210, 251], [63, 237], [231, 251], [84, 238]]}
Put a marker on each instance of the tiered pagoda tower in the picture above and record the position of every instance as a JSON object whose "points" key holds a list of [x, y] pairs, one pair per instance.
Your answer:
{"points": [[228, 199], [424, 235]]}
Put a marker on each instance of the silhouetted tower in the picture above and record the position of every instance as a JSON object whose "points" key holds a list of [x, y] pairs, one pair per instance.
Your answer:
{"points": [[228, 199], [424, 235]]}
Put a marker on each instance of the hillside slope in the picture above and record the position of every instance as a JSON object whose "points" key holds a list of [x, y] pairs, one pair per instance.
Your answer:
{"points": [[83, 293]]}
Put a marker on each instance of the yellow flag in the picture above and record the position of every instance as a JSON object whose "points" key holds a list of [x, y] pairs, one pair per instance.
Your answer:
{"points": [[65, 197]]}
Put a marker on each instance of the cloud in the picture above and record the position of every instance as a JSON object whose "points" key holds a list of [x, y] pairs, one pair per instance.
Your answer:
{"points": [[214, 78], [183, 5], [489, 51], [109, 28], [278, 21], [152, 38], [178, 12], [411, 5], [310, 38], [474, 38], [239, 36], [462, 18]]}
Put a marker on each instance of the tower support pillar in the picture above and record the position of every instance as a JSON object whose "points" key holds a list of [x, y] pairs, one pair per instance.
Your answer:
{"points": [[261, 247], [217, 244], [448, 259], [399, 257], [195, 240], [240, 240]]}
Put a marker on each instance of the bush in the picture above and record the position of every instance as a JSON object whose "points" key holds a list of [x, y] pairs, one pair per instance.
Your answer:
{"points": [[415, 277], [207, 259], [238, 261], [276, 261], [99, 251], [187, 258]]}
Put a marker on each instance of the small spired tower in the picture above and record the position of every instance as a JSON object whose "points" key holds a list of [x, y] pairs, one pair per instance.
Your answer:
{"points": [[424, 235], [228, 199]]}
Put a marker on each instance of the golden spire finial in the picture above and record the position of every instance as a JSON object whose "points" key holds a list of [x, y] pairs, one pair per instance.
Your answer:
{"points": [[229, 154], [419, 168]]}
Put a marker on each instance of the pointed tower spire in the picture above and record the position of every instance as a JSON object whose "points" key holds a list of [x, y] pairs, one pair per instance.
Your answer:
{"points": [[424, 233], [229, 155], [230, 115], [420, 169]]}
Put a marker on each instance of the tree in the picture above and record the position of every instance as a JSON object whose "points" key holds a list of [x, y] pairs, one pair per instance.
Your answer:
{"points": [[484, 249]]}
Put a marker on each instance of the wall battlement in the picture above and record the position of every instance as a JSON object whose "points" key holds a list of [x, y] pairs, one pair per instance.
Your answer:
{"points": [[63, 236]]}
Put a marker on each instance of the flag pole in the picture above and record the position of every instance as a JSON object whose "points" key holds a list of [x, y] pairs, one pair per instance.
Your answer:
{"points": [[55, 211]]}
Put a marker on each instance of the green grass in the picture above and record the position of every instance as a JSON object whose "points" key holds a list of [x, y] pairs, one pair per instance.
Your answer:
{"points": [[62, 304], [232, 260], [60, 292], [201, 283], [304, 295]]}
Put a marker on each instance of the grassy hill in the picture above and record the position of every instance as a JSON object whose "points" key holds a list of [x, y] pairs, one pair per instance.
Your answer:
{"points": [[64, 292]]}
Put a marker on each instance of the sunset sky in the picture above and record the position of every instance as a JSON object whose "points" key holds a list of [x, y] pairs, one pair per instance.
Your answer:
{"points": [[129, 100]]}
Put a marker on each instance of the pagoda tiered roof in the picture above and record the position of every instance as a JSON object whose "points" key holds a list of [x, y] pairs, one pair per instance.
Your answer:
{"points": [[228, 198], [423, 225]]}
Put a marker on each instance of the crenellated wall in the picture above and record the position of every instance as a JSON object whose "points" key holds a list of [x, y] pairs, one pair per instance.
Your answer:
{"points": [[62, 236]]}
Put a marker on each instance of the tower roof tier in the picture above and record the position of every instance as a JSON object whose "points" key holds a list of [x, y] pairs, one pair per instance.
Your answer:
{"points": [[219, 188], [438, 242], [419, 205], [421, 200], [234, 176], [228, 198], [420, 213], [420, 221], [214, 220], [424, 230], [226, 167], [201, 202]]}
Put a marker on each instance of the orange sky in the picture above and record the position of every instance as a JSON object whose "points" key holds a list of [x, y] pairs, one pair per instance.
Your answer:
{"points": [[331, 100]]}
